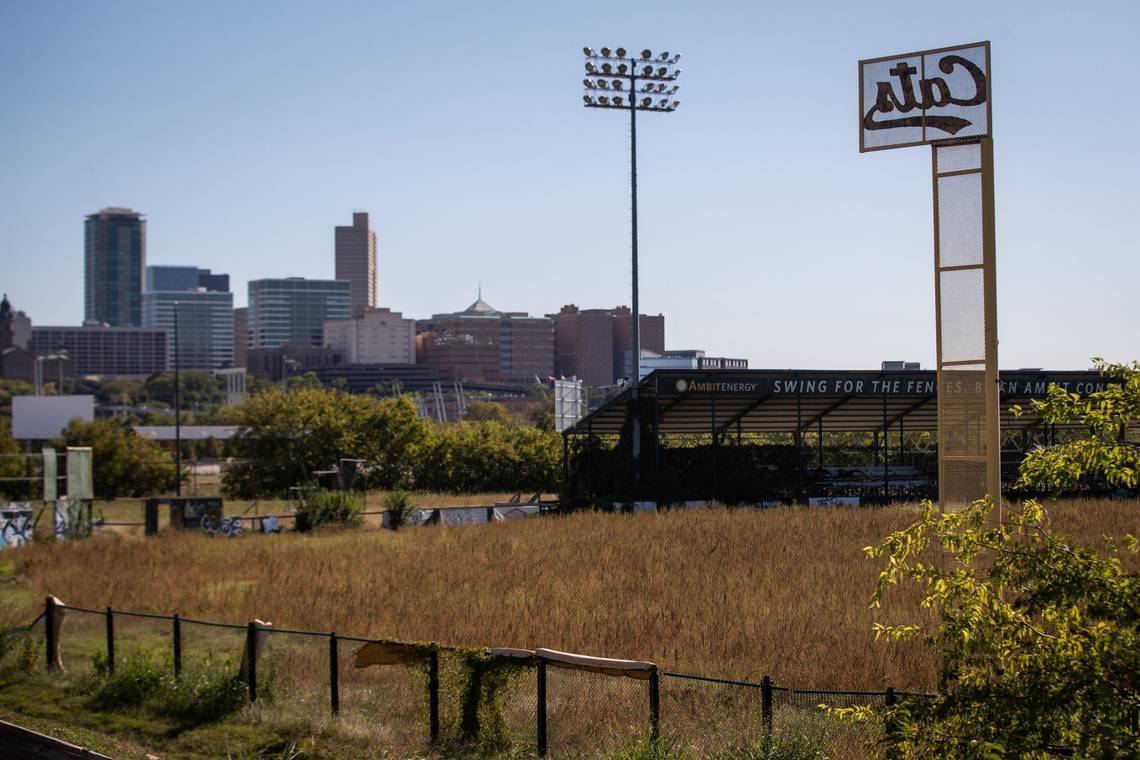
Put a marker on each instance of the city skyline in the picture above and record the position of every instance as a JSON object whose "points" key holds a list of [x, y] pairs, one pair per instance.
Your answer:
{"points": [[763, 236]]}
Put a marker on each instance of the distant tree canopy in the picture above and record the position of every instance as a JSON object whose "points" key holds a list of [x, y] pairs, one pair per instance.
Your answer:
{"points": [[10, 388], [488, 456], [287, 435], [11, 466], [198, 388], [124, 463], [487, 411]]}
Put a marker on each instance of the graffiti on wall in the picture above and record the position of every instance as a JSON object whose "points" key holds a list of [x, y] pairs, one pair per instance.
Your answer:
{"points": [[16, 525], [226, 527]]}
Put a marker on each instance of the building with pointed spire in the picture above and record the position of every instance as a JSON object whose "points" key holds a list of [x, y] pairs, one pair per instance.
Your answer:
{"points": [[483, 344], [16, 359]]}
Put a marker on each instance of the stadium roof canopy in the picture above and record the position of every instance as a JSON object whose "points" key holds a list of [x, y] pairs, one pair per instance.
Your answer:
{"points": [[769, 401]]}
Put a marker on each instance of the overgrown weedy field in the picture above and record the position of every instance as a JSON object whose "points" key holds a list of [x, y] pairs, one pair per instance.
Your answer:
{"points": [[734, 593]]}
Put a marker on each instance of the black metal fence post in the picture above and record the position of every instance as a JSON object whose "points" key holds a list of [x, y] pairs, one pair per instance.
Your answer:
{"points": [[654, 704], [766, 704], [433, 694], [541, 707], [110, 641], [890, 699], [334, 675], [251, 659], [49, 631], [176, 635]]}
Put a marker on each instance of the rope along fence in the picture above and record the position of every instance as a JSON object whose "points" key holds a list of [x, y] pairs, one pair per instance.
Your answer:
{"points": [[416, 694]]}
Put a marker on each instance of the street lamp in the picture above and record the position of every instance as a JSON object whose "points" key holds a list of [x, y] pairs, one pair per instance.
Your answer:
{"points": [[617, 79], [59, 357]]}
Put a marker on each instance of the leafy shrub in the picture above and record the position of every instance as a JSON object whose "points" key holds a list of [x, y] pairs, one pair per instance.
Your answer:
{"points": [[141, 680], [136, 678], [128, 464], [784, 746], [787, 746], [203, 697], [31, 654], [328, 508], [399, 506], [7, 644]]}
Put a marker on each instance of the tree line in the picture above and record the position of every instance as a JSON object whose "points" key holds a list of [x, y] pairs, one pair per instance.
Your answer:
{"points": [[287, 436]]}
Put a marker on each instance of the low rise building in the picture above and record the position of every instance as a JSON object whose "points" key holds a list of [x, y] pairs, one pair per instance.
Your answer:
{"points": [[280, 362], [377, 336], [99, 349]]}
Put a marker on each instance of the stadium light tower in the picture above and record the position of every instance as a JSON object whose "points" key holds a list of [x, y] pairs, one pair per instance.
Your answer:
{"points": [[644, 83]]}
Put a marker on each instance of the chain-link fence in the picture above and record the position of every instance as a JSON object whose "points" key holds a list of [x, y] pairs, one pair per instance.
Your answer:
{"points": [[588, 712], [408, 697]]}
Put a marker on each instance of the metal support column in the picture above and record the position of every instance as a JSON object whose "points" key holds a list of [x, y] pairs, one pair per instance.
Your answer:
{"points": [[799, 453], [886, 452], [993, 387], [657, 444], [819, 442], [590, 459], [715, 447]]}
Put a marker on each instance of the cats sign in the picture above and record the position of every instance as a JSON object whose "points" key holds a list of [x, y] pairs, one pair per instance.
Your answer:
{"points": [[926, 97]]}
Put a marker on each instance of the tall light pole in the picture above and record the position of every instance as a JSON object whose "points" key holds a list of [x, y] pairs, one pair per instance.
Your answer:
{"points": [[645, 83], [177, 413]]}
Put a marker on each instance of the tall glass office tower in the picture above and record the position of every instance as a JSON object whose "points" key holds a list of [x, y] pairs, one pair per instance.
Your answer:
{"points": [[114, 258], [293, 310]]}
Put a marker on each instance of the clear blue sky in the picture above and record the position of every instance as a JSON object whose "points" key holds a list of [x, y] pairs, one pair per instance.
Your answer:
{"points": [[246, 131]]}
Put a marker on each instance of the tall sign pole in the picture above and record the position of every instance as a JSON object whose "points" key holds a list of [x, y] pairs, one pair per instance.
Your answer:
{"points": [[941, 98]]}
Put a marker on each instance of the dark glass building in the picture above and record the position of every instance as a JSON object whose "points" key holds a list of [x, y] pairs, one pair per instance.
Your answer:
{"points": [[293, 310], [114, 259], [178, 278]]}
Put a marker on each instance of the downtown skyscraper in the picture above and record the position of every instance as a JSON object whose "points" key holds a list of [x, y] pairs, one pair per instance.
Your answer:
{"points": [[356, 262], [200, 305], [114, 261]]}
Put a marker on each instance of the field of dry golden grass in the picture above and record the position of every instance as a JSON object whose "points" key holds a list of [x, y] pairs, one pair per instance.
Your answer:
{"points": [[732, 593]]}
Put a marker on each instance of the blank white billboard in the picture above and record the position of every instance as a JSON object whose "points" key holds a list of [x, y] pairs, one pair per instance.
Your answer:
{"points": [[38, 418]]}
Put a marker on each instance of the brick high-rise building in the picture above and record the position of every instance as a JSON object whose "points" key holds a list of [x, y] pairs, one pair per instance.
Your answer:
{"points": [[652, 338], [584, 344], [356, 262], [241, 335], [114, 259], [481, 343], [596, 345]]}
